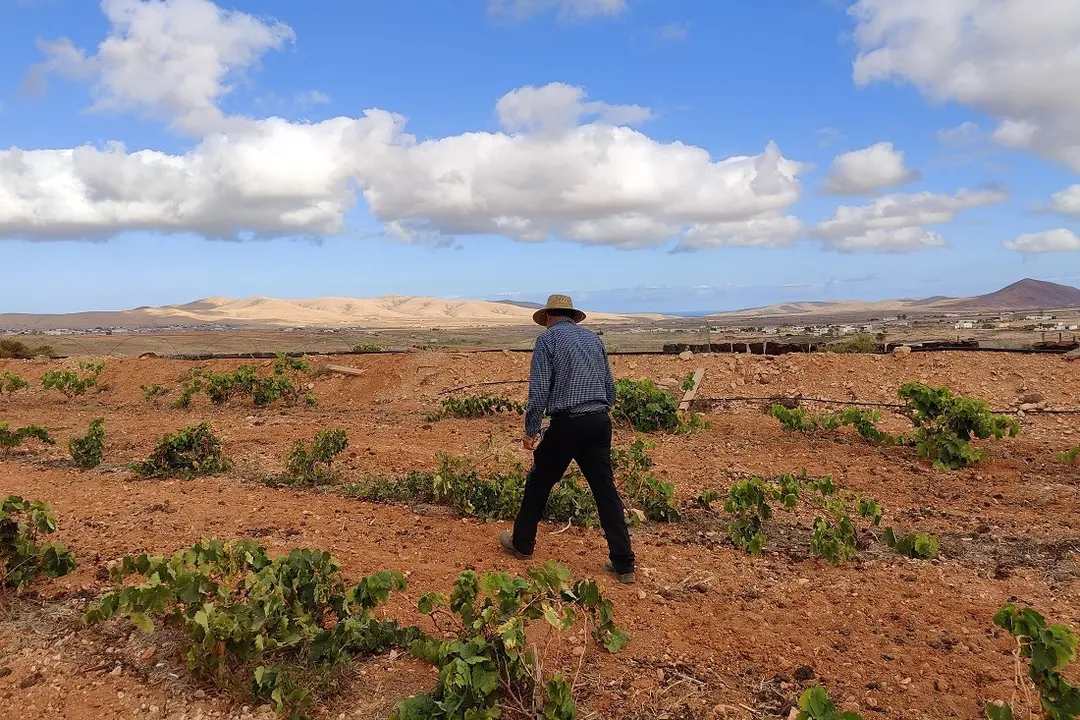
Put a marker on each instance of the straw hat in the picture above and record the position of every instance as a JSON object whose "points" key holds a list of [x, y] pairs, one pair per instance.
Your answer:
{"points": [[558, 302]]}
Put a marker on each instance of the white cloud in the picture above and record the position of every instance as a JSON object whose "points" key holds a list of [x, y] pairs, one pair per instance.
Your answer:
{"points": [[571, 168], [963, 135], [312, 97], [171, 59], [1066, 202], [594, 184], [566, 10], [895, 223], [776, 231], [864, 172], [673, 31], [558, 107], [1052, 241], [275, 178], [1015, 59]]}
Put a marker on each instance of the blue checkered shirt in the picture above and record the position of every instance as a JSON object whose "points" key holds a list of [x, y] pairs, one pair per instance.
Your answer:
{"points": [[570, 373]]}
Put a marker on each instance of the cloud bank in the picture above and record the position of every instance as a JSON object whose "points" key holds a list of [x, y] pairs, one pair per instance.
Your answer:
{"points": [[1016, 60], [896, 223], [562, 166]]}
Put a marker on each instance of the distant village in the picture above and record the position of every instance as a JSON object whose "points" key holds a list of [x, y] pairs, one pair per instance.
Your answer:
{"points": [[201, 327], [1038, 323]]}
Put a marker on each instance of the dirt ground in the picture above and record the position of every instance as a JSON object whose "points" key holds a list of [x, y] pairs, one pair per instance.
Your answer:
{"points": [[715, 633]]}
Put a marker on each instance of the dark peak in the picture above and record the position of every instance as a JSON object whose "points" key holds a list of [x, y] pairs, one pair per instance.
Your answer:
{"points": [[1026, 294]]}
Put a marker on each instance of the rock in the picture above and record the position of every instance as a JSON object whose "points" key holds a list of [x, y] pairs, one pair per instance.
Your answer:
{"points": [[641, 595], [669, 382], [4, 672], [685, 355], [31, 680], [1031, 398], [804, 673], [901, 350], [639, 515], [1029, 407], [200, 694]]}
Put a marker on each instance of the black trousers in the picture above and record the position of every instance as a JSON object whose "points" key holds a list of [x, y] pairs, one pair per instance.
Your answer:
{"points": [[585, 439]]}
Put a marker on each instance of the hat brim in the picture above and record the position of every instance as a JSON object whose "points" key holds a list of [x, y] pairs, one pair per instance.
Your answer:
{"points": [[540, 316]]}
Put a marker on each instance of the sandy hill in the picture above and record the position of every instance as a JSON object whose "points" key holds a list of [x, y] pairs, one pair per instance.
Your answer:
{"points": [[324, 312], [1024, 295]]}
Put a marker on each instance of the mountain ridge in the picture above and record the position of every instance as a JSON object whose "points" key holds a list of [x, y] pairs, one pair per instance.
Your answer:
{"points": [[1024, 295], [404, 311], [389, 311]]}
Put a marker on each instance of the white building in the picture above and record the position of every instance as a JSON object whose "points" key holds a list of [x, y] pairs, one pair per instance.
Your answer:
{"points": [[965, 325]]}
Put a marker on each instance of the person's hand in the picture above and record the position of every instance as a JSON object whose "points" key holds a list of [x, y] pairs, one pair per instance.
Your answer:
{"points": [[528, 442]]}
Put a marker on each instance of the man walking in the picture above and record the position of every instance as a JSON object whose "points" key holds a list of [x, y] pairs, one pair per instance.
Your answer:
{"points": [[571, 382]]}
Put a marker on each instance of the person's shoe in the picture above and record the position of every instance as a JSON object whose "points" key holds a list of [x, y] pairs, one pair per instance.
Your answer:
{"points": [[624, 578], [506, 539]]}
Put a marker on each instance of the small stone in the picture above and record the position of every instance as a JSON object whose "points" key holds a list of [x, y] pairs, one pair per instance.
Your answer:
{"points": [[639, 515], [685, 355], [803, 581], [641, 595], [200, 694], [901, 351], [31, 680]]}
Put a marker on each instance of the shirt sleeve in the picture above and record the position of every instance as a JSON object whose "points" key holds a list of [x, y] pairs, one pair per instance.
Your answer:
{"points": [[539, 388], [609, 382]]}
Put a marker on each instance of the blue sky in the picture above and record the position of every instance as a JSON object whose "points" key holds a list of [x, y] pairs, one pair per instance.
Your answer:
{"points": [[578, 183]]}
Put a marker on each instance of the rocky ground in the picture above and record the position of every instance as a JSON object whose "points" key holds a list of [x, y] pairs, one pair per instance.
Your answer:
{"points": [[715, 633]]}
